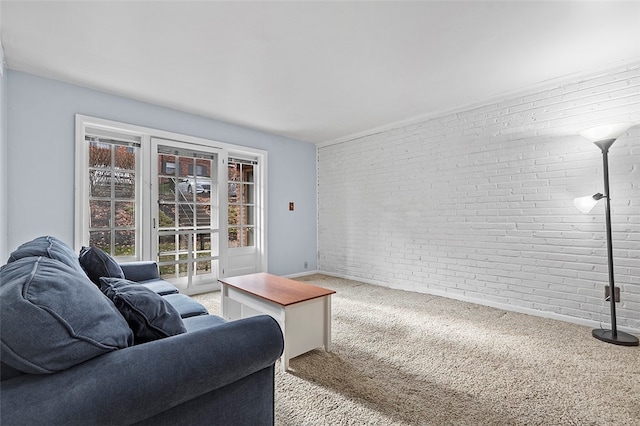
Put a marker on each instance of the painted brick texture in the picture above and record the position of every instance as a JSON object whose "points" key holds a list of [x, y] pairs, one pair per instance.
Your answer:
{"points": [[478, 204]]}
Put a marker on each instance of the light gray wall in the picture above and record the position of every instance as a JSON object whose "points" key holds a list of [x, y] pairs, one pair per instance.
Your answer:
{"points": [[41, 117]]}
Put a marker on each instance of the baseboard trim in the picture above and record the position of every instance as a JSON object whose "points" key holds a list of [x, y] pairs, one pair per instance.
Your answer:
{"points": [[304, 274], [497, 305]]}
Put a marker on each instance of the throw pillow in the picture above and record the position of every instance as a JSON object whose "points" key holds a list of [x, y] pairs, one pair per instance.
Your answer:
{"points": [[53, 317], [96, 263], [50, 247], [148, 314]]}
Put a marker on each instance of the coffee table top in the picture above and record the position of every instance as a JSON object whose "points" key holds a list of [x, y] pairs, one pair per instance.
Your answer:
{"points": [[282, 291]]}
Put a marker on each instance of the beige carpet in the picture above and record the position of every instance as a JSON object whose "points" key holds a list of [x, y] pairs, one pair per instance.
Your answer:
{"points": [[401, 358]]}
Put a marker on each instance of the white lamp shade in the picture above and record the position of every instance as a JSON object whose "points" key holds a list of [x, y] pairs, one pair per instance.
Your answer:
{"points": [[585, 204], [606, 131]]}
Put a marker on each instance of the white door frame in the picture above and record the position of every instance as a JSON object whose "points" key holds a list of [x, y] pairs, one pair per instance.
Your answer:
{"points": [[145, 204], [193, 283]]}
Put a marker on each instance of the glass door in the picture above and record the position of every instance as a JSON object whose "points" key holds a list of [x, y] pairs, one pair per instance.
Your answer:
{"points": [[244, 236], [186, 222]]}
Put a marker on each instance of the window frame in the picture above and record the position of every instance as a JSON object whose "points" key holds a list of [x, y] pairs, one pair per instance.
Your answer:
{"points": [[241, 203], [82, 219], [143, 204]]}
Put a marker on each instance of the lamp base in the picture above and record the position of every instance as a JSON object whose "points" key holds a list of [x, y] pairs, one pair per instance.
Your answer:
{"points": [[622, 338]]}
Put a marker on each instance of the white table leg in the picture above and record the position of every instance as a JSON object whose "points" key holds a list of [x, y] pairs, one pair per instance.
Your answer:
{"points": [[327, 323], [284, 359], [224, 290]]}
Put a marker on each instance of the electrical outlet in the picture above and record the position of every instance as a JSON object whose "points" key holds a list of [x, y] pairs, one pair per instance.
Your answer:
{"points": [[306, 265], [617, 293]]}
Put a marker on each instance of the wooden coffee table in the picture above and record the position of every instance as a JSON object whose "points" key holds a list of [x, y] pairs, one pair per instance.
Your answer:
{"points": [[302, 310]]}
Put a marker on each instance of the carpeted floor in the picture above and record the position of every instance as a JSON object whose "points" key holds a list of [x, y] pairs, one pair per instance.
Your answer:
{"points": [[401, 358]]}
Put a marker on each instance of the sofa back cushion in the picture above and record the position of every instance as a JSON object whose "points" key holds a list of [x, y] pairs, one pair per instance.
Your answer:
{"points": [[96, 263], [149, 315], [50, 247], [53, 317]]}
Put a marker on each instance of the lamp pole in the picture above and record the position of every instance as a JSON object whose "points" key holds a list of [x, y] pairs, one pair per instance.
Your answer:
{"points": [[613, 335]]}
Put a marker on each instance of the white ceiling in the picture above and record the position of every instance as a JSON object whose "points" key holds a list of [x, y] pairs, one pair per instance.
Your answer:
{"points": [[316, 71]]}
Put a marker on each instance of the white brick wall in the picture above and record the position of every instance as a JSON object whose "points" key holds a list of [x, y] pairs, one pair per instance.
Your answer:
{"points": [[478, 204]]}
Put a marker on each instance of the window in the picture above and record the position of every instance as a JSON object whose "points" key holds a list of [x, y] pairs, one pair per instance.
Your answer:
{"points": [[242, 206], [188, 208], [112, 174], [147, 194]]}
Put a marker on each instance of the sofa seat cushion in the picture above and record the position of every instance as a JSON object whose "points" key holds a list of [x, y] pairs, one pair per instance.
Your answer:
{"points": [[159, 286], [96, 263], [202, 321], [53, 317], [186, 306], [50, 247], [147, 313]]}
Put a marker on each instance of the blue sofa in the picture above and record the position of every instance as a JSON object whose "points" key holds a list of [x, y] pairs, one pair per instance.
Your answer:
{"points": [[123, 347]]}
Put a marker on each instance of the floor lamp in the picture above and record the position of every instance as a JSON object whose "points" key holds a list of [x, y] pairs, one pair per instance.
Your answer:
{"points": [[604, 137]]}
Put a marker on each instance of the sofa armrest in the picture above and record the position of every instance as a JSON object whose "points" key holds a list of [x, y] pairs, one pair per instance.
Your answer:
{"points": [[140, 271], [129, 385]]}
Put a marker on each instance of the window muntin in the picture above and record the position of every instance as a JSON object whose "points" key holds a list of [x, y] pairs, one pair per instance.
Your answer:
{"points": [[231, 261], [112, 190], [241, 203], [187, 221]]}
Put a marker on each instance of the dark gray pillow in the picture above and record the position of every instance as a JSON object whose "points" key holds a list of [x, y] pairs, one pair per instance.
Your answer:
{"points": [[50, 247], [53, 317], [148, 314], [96, 263]]}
